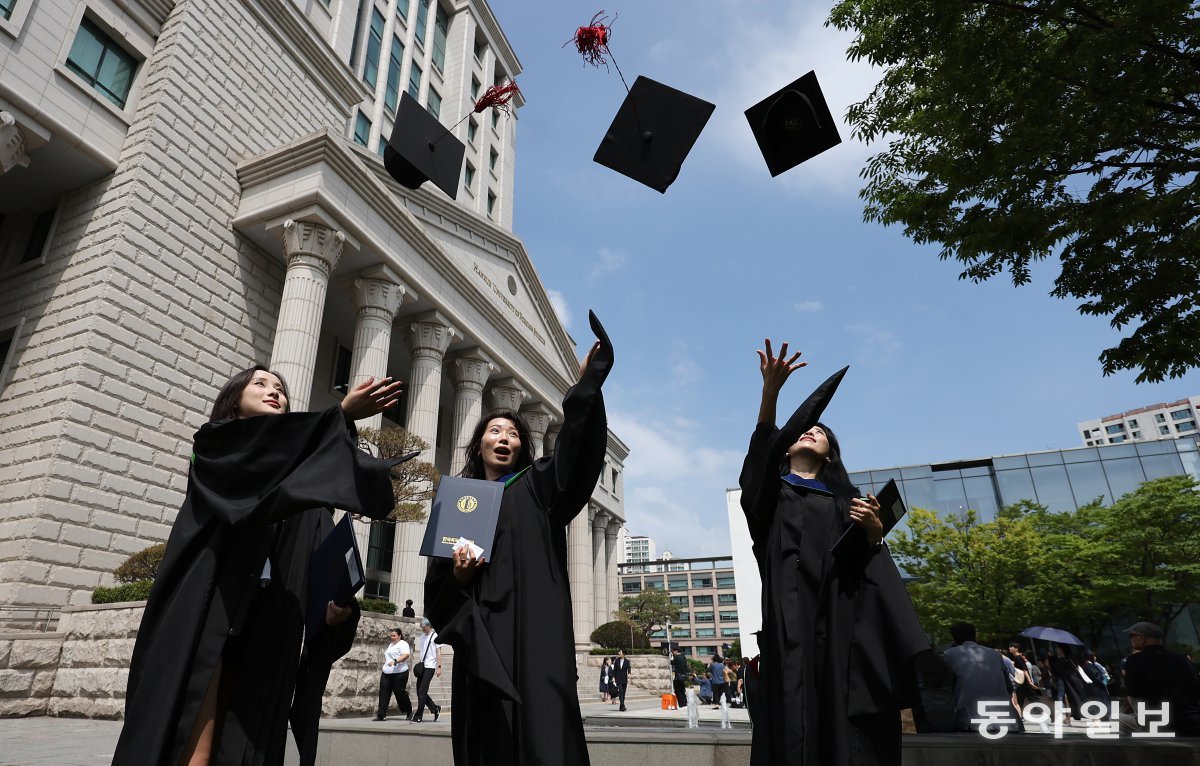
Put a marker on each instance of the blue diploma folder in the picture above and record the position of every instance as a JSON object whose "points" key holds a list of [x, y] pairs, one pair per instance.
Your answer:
{"points": [[466, 508]]}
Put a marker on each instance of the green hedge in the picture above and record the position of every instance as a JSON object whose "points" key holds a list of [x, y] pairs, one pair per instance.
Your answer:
{"points": [[130, 591], [628, 652], [379, 605]]}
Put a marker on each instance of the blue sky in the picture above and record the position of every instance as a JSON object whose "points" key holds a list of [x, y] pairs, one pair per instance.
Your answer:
{"points": [[689, 283]]}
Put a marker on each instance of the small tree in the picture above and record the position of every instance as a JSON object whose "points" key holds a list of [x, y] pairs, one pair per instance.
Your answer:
{"points": [[142, 565], [414, 481], [619, 634], [650, 609]]}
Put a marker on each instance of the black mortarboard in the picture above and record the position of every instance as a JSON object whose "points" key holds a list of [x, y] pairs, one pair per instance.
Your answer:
{"points": [[421, 149], [653, 132], [793, 125]]}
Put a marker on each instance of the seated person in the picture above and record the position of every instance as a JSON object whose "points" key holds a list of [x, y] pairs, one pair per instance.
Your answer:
{"points": [[979, 676], [705, 689], [1155, 675]]}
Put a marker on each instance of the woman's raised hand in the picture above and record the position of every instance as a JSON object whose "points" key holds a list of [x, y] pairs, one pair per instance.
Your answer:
{"points": [[371, 397], [587, 359], [775, 370]]}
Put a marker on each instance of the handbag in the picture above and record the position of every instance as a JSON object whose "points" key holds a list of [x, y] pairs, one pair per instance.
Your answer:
{"points": [[1019, 677]]}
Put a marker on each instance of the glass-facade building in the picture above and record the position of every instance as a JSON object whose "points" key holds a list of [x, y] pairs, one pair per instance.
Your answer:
{"points": [[1062, 480]]}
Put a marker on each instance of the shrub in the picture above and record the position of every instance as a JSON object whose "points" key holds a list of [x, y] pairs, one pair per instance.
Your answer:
{"points": [[130, 591], [616, 634], [142, 565], [600, 651], [379, 605]]}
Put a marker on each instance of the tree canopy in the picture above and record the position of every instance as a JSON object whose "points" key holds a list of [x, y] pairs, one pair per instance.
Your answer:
{"points": [[1138, 558], [648, 610], [1020, 130], [414, 481]]}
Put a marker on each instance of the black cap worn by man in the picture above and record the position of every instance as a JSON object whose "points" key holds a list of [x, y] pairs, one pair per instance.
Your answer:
{"points": [[653, 132]]}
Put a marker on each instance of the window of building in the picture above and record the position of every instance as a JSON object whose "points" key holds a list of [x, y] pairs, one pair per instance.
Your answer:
{"points": [[1117, 439], [475, 86], [377, 589], [1132, 423], [1188, 426], [725, 599], [705, 651], [414, 81], [434, 104], [730, 632], [1115, 429], [495, 118], [493, 158], [725, 580], [1090, 444], [631, 586], [1160, 418], [1164, 430], [1137, 434], [468, 175], [706, 616], [491, 202], [652, 582], [402, 9], [684, 616], [728, 615], [40, 236], [381, 145], [676, 583], [422, 20], [1181, 414], [380, 545], [374, 48], [706, 632], [679, 600], [6, 8], [8, 344], [480, 48], [362, 128], [102, 63], [472, 130], [341, 370], [680, 632], [702, 601], [392, 97], [441, 27], [701, 581]]}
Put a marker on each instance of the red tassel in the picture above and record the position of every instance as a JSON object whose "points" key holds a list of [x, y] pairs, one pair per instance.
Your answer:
{"points": [[592, 41], [498, 96]]}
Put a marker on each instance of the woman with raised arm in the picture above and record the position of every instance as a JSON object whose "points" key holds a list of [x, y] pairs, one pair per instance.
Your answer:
{"points": [[221, 662], [508, 618], [839, 633]]}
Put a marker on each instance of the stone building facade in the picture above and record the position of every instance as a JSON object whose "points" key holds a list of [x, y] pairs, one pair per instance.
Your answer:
{"points": [[191, 186]]}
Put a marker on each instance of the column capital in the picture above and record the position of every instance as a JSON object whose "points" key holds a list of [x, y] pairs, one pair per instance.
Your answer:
{"points": [[600, 521], [507, 394], [383, 293], [12, 144], [472, 369], [539, 417], [312, 243], [431, 334], [613, 529]]}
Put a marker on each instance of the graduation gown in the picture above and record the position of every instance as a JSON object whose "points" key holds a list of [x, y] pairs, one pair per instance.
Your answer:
{"points": [[514, 687], [259, 487], [839, 636]]}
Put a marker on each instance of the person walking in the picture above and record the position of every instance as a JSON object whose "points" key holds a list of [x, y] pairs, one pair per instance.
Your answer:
{"points": [[716, 669], [679, 667], [621, 672], [605, 675], [393, 677], [427, 667]]}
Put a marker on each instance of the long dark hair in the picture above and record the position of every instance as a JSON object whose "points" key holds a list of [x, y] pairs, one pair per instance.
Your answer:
{"points": [[474, 467], [832, 472], [225, 407]]}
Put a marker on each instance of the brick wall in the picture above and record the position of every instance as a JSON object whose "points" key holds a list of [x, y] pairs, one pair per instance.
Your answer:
{"points": [[147, 303]]}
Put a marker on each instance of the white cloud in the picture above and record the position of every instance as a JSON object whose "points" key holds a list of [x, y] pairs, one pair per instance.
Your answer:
{"points": [[607, 261], [808, 307], [675, 484], [785, 44], [559, 303], [876, 346]]}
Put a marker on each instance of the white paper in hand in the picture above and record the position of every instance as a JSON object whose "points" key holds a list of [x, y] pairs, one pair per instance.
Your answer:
{"points": [[463, 542]]}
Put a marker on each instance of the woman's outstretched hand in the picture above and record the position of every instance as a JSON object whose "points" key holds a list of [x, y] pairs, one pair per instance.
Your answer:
{"points": [[371, 397], [775, 370], [588, 359]]}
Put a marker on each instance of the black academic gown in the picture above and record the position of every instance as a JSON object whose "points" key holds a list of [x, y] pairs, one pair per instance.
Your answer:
{"points": [[514, 697], [257, 487], [839, 636]]}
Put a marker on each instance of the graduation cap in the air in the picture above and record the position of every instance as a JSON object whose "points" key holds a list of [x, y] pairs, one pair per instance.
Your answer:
{"points": [[421, 149], [793, 124], [653, 132]]}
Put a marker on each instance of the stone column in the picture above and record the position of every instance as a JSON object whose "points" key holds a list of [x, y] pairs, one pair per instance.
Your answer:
{"points": [[611, 535], [507, 394], [539, 419], [471, 371], [12, 144], [599, 570], [551, 438], [429, 338], [312, 251], [579, 567], [377, 296]]}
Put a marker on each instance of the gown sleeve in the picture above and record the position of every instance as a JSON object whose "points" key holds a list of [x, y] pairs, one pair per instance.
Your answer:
{"points": [[260, 470], [759, 481], [564, 481]]}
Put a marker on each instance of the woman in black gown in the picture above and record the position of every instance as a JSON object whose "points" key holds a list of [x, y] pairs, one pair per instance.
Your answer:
{"points": [[221, 664], [509, 617], [839, 633]]}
